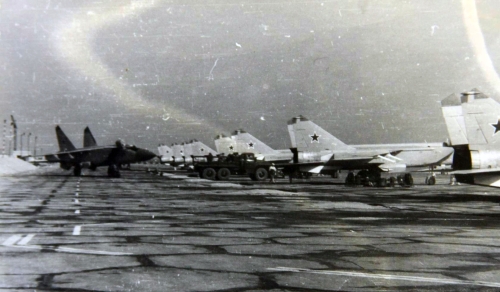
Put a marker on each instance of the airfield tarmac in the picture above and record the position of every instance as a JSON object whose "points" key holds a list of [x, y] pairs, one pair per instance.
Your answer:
{"points": [[146, 232]]}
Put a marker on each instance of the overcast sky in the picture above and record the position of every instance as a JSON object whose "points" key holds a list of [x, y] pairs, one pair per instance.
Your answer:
{"points": [[155, 71]]}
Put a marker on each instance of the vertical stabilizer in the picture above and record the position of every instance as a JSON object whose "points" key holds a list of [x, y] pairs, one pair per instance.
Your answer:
{"points": [[306, 136], [198, 148], [165, 153], [482, 118], [177, 154], [187, 148], [454, 119], [164, 150], [88, 138], [224, 144], [248, 143], [64, 142], [177, 151]]}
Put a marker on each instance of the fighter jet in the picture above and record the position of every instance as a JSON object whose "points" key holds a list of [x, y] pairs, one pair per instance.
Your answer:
{"points": [[92, 156], [165, 153], [246, 142], [183, 153], [473, 123], [320, 152], [226, 145], [196, 148], [177, 154]]}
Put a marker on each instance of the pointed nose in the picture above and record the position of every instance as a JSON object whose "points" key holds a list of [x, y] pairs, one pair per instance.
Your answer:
{"points": [[144, 155]]}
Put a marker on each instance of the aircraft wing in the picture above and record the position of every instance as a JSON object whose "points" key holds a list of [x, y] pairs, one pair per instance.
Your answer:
{"points": [[474, 171], [312, 167], [363, 160], [81, 155]]}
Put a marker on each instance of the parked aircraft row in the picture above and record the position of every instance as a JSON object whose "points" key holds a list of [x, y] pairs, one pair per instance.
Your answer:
{"points": [[472, 121], [314, 150]]}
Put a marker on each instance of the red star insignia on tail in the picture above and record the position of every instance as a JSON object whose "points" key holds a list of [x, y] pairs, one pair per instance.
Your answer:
{"points": [[315, 138]]}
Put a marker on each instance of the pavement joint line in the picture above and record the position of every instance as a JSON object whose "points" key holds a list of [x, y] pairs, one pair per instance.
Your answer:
{"points": [[388, 277], [77, 229]]}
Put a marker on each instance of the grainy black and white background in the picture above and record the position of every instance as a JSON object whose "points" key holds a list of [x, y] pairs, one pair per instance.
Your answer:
{"points": [[156, 71]]}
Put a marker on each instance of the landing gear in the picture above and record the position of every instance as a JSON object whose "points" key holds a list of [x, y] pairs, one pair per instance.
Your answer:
{"points": [[113, 171], [430, 180], [350, 180], [368, 178], [405, 180], [77, 170], [392, 181]]}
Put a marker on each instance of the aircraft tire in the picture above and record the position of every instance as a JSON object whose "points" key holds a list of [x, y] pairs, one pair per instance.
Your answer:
{"points": [[113, 171], [209, 173], [431, 181], [392, 181], [261, 174], [77, 170], [223, 174], [382, 182], [408, 180]]}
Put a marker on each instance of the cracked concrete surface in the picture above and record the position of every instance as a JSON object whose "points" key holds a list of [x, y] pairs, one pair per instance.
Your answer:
{"points": [[176, 233]]}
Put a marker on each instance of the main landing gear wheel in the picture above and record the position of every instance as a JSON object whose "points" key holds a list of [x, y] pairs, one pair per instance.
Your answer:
{"points": [[77, 170], [431, 180], [113, 171]]}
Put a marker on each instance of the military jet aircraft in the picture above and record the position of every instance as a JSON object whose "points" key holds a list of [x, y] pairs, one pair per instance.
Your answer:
{"points": [[177, 154], [182, 153], [243, 142], [473, 123], [317, 151], [226, 145], [165, 153], [246, 142], [195, 148], [92, 156]]}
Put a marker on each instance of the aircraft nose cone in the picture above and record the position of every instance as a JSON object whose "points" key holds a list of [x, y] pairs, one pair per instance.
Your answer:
{"points": [[145, 155]]}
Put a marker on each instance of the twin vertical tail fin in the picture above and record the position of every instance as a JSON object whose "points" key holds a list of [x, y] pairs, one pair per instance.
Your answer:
{"points": [[306, 136], [164, 150], [88, 138], [177, 151], [198, 148], [63, 140], [454, 119], [473, 118], [248, 143], [224, 144]]}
